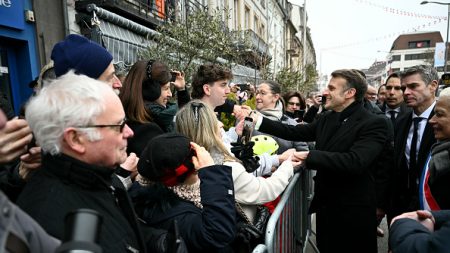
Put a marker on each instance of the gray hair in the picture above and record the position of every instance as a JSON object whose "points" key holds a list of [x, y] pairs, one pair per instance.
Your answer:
{"points": [[427, 73], [445, 93], [69, 101]]}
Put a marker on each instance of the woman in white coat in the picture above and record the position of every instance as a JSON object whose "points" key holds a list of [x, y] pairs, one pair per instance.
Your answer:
{"points": [[199, 123]]}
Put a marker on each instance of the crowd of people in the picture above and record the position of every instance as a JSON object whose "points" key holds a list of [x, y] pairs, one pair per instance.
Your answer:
{"points": [[153, 160]]}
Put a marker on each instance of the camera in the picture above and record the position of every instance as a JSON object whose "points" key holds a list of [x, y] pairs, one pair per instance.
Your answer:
{"points": [[174, 76], [298, 115], [82, 229]]}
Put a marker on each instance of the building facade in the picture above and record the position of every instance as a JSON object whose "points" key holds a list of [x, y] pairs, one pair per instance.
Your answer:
{"points": [[413, 49], [30, 28]]}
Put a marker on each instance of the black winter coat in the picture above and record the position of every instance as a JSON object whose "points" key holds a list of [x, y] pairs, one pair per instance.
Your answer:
{"points": [[64, 184], [210, 229], [347, 145]]}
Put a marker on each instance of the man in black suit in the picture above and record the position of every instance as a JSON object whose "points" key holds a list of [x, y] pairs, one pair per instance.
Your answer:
{"points": [[414, 137], [394, 106], [348, 140]]}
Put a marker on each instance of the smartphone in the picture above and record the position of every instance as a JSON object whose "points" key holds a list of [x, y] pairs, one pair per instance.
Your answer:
{"points": [[298, 114], [174, 76], [247, 131]]}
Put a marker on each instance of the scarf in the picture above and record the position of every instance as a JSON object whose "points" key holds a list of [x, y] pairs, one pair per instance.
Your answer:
{"points": [[438, 163], [273, 113], [189, 192]]}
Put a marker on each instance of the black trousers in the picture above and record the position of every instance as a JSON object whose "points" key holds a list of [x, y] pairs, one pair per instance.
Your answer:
{"points": [[346, 228]]}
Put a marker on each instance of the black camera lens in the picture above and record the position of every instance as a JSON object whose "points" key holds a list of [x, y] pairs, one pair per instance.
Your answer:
{"points": [[82, 228]]}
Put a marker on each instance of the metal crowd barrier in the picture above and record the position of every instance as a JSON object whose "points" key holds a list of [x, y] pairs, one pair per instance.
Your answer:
{"points": [[289, 227]]}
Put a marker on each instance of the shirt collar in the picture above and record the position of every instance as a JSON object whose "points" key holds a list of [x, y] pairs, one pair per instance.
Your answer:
{"points": [[426, 114]]}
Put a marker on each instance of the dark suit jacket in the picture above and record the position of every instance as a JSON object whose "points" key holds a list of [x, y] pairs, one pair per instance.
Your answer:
{"points": [[344, 153], [404, 110], [405, 194]]}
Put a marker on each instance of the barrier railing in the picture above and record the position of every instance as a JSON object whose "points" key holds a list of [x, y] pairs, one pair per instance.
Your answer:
{"points": [[289, 227]]}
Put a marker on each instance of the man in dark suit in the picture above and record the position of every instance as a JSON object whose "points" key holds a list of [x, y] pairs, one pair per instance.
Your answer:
{"points": [[394, 106], [348, 140], [414, 137]]}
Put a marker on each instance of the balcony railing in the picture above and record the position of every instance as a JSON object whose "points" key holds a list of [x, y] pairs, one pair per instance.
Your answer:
{"points": [[257, 43], [293, 47], [152, 12]]}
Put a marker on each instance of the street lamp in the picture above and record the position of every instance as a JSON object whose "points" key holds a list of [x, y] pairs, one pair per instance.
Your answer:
{"points": [[448, 24]]}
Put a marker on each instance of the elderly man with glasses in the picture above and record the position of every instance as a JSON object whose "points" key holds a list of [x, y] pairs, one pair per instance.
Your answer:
{"points": [[80, 125]]}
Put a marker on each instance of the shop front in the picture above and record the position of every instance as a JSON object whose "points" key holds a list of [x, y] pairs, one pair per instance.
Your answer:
{"points": [[18, 56]]}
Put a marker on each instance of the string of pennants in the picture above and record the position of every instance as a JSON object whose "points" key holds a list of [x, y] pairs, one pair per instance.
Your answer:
{"points": [[437, 20], [395, 11]]}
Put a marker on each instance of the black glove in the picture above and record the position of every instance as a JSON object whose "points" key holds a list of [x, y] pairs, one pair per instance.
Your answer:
{"points": [[244, 152]]}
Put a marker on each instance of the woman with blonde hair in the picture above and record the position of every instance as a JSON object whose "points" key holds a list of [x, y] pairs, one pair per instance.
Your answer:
{"points": [[198, 122]]}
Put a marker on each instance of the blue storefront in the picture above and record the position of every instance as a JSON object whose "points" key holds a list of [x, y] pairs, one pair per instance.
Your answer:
{"points": [[18, 53]]}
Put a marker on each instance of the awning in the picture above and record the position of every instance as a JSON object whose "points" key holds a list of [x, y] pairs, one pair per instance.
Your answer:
{"points": [[121, 36], [123, 44]]}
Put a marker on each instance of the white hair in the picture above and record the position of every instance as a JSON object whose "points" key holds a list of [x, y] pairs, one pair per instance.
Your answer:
{"points": [[69, 101], [445, 92]]}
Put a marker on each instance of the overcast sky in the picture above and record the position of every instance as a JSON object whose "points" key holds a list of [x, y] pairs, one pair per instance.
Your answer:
{"points": [[349, 33]]}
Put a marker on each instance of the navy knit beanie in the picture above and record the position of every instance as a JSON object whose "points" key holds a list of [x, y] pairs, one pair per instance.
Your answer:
{"points": [[80, 54]]}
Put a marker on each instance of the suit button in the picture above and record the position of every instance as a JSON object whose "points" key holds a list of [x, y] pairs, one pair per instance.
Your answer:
{"points": [[6, 211]]}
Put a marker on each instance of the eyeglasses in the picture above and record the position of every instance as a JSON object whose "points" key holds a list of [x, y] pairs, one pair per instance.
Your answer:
{"points": [[121, 126], [292, 104]]}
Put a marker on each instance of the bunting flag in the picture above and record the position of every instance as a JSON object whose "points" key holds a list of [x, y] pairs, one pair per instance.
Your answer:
{"points": [[395, 11], [387, 36]]}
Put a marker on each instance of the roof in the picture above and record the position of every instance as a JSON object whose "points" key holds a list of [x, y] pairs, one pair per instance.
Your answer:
{"points": [[401, 42]]}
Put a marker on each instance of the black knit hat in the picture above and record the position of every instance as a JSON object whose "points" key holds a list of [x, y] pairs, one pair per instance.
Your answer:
{"points": [[167, 158]]}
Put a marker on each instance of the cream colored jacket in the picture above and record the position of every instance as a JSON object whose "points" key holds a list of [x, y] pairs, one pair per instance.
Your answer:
{"points": [[250, 190]]}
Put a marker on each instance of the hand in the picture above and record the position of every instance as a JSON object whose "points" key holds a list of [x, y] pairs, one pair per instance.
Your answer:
{"points": [[239, 127], [423, 217], [286, 154], [300, 155], [202, 157], [14, 137], [180, 83], [317, 101], [3, 119], [241, 111], [130, 164], [426, 219], [29, 162]]}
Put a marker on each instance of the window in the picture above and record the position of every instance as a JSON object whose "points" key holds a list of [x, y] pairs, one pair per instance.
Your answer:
{"points": [[419, 44], [255, 24], [395, 58], [262, 31], [247, 18], [236, 15], [411, 57], [395, 70]]}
